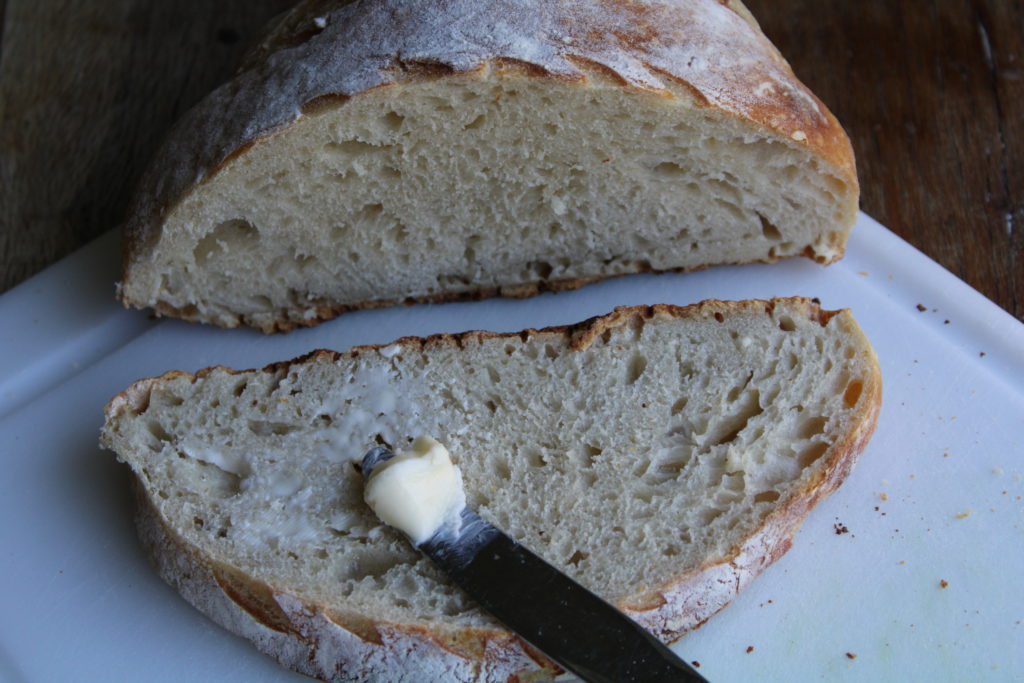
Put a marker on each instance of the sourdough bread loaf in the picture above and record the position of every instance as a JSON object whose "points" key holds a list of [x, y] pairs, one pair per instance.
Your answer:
{"points": [[378, 152], [661, 456]]}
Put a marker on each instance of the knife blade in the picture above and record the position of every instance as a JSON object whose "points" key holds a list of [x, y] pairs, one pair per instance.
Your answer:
{"points": [[583, 633]]}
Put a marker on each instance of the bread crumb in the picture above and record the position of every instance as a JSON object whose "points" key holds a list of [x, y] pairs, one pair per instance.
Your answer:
{"points": [[922, 308], [695, 663], [945, 322], [750, 648], [981, 354], [883, 496], [840, 528], [965, 514], [863, 273], [851, 655], [943, 583], [997, 470]]}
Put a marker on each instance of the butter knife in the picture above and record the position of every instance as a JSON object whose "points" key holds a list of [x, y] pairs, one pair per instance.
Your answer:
{"points": [[583, 633]]}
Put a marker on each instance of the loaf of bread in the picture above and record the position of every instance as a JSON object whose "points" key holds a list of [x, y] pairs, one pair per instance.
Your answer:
{"points": [[377, 152], [661, 456]]}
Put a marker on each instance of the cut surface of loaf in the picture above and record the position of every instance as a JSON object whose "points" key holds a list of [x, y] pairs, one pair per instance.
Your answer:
{"points": [[373, 153], [661, 456]]}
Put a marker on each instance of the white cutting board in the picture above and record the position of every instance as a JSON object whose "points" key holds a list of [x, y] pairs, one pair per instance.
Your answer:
{"points": [[938, 495]]}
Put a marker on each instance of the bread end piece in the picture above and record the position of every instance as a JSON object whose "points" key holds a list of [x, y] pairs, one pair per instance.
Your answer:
{"points": [[284, 211]]}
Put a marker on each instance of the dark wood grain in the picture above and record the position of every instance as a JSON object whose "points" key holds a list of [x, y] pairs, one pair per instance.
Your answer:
{"points": [[932, 95], [931, 92], [87, 90]]}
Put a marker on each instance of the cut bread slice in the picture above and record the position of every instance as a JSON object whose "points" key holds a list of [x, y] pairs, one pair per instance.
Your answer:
{"points": [[661, 456], [373, 153]]}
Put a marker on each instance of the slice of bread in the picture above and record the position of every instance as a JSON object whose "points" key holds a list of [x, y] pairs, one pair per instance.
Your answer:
{"points": [[661, 456], [374, 153]]}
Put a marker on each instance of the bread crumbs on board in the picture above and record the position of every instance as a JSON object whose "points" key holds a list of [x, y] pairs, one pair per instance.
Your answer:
{"points": [[851, 655], [750, 648], [965, 514], [943, 583]]}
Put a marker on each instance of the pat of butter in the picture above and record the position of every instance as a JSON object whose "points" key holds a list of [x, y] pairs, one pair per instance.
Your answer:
{"points": [[418, 491]]}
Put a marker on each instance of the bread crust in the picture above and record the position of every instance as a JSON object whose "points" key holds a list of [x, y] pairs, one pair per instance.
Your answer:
{"points": [[306, 638], [322, 53]]}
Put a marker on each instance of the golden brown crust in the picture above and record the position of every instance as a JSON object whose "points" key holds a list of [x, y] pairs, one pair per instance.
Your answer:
{"points": [[713, 585], [281, 625], [328, 311], [710, 51], [309, 639], [580, 335]]}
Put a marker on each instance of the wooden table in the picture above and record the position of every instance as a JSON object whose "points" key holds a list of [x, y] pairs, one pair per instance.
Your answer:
{"points": [[931, 92]]}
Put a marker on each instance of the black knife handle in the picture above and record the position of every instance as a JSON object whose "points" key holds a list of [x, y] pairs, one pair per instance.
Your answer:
{"points": [[579, 630]]}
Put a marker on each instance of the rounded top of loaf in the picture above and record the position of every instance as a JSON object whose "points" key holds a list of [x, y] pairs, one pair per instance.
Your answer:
{"points": [[710, 51]]}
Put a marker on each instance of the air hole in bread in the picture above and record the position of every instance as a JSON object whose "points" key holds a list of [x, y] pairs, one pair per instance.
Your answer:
{"points": [[578, 557], [726, 428], [260, 428], [637, 365], [171, 399], [769, 231], [344, 150], [501, 468], [708, 515], [810, 455], [228, 237], [812, 427], [852, 393], [786, 324], [668, 170], [535, 459], [392, 121], [452, 280], [679, 405], [766, 497], [157, 430], [543, 269]]}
